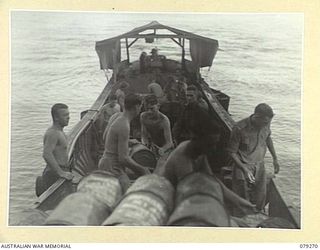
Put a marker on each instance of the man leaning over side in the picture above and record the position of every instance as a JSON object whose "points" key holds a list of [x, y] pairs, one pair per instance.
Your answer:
{"points": [[249, 141]]}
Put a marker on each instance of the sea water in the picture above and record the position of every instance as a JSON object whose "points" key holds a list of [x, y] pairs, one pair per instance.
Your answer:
{"points": [[53, 59]]}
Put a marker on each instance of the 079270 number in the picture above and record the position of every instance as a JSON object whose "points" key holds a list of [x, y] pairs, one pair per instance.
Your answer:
{"points": [[308, 246]]}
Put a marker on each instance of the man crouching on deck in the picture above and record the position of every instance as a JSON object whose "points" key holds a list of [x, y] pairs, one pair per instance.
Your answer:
{"points": [[155, 127], [191, 156], [116, 152], [55, 150]]}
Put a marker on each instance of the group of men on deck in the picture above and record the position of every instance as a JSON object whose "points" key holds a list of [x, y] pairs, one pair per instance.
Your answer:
{"points": [[195, 134]]}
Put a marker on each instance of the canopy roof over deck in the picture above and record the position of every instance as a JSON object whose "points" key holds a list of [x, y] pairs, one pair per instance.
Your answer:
{"points": [[202, 49]]}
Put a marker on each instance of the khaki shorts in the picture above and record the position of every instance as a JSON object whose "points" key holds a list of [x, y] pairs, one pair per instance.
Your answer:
{"points": [[255, 193]]}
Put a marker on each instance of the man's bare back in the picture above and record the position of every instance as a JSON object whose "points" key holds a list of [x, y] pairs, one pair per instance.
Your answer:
{"points": [[120, 126], [116, 154], [110, 160], [180, 164]]}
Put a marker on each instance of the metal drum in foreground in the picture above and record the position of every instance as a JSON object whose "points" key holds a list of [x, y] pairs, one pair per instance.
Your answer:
{"points": [[144, 156], [103, 186], [148, 202], [79, 209], [31, 217], [199, 202]]}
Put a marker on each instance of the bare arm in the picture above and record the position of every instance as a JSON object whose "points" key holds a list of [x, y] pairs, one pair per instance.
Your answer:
{"points": [[274, 155], [144, 132], [206, 165], [101, 120], [242, 167], [111, 120], [105, 133], [121, 100], [150, 89], [178, 127], [167, 135], [123, 151], [233, 148], [174, 168], [238, 162], [50, 143], [167, 169]]}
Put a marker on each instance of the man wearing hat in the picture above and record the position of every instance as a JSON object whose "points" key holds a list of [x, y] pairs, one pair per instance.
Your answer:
{"points": [[249, 141], [154, 55], [157, 62]]}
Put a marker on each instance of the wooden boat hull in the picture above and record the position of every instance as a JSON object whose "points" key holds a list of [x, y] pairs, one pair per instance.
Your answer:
{"points": [[85, 143], [80, 147]]}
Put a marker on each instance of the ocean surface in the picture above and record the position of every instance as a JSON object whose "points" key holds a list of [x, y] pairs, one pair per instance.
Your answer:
{"points": [[53, 59]]}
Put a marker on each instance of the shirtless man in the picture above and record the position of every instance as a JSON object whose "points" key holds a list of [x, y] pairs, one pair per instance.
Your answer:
{"points": [[191, 156], [155, 89], [55, 150], [155, 127], [116, 153], [106, 112], [120, 93], [185, 158]]}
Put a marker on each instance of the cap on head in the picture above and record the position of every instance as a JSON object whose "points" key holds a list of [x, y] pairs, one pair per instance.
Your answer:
{"points": [[264, 110], [151, 100], [154, 50]]}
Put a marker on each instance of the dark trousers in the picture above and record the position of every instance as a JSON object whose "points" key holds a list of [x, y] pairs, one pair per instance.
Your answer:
{"points": [[47, 179]]}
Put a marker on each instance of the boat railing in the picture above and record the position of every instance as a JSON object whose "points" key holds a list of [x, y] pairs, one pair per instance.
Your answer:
{"points": [[87, 120], [85, 149], [79, 134]]}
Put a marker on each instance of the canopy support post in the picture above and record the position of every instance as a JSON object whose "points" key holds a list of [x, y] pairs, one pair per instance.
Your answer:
{"points": [[183, 63], [127, 47]]}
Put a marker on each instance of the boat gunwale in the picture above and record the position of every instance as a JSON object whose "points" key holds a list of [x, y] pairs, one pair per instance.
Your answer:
{"points": [[73, 137]]}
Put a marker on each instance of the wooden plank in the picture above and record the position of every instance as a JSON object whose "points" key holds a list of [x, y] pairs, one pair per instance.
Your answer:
{"points": [[223, 115], [155, 36]]}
